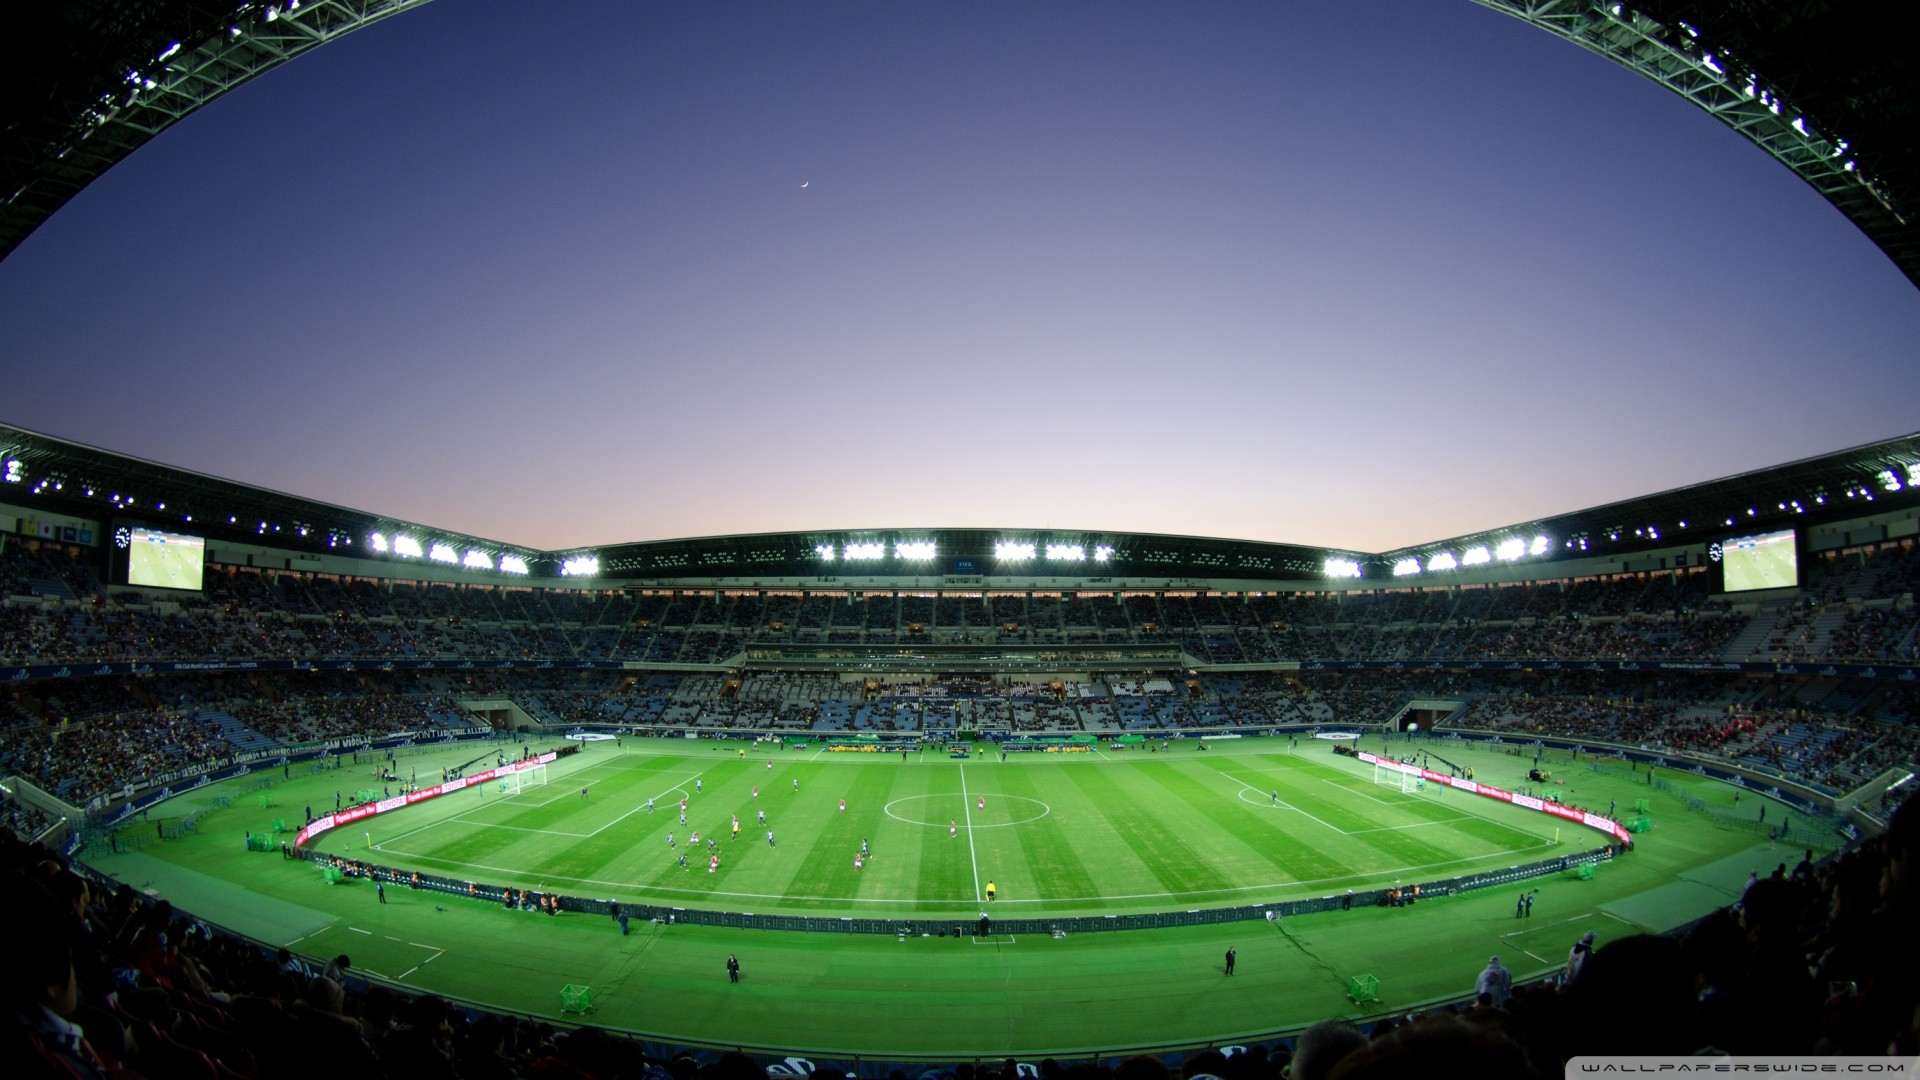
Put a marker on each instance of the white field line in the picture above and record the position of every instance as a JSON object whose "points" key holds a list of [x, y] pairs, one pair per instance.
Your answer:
{"points": [[966, 807], [437, 954], [642, 806]]}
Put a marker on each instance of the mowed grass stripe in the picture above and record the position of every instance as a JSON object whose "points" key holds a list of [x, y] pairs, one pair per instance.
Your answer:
{"points": [[1104, 848], [1175, 863], [1049, 852], [1435, 843], [470, 842], [1446, 810], [831, 838], [1365, 849], [1262, 850]]}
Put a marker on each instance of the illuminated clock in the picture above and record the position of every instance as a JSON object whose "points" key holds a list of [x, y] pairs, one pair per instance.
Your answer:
{"points": [[122, 536], [1715, 552]]}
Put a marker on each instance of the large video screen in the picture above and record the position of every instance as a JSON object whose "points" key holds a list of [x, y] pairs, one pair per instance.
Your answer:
{"points": [[164, 560], [1762, 561]]}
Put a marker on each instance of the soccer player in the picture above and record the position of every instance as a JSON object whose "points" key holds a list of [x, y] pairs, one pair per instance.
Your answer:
{"points": [[843, 806], [863, 850], [857, 861], [983, 802], [695, 838], [1274, 795], [714, 864], [669, 839], [736, 828], [796, 780], [583, 793], [683, 860], [683, 804], [756, 791], [763, 817], [649, 806], [769, 837], [696, 787], [953, 830], [989, 892], [683, 817]]}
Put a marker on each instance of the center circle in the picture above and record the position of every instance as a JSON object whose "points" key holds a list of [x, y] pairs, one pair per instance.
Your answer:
{"points": [[1044, 810]]}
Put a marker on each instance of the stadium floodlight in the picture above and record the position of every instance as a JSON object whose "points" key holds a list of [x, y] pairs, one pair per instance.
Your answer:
{"points": [[580, 566], [167, 53], [16, 471], [825, 551], [1066, 553], [1476, 556], [1539, 546], [477, 560], [407, 546], [866, 551], [1104, 552], [916, 550], [1889, 480], [1510, 549], [1443, 561], [377, 542], [443, 553], [1015, 550], [513, 564], [1340, 568], [1406, 568]]}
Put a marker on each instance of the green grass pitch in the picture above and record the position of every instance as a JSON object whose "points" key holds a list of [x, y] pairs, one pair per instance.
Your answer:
{"points": [[1058, 834]]}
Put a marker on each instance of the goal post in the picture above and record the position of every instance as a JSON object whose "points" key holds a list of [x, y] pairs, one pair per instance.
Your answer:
{"points": [[1385, 776], [515, 782]]}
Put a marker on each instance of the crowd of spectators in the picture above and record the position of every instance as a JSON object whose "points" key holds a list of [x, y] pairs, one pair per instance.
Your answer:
{"points": [[257, 614]]}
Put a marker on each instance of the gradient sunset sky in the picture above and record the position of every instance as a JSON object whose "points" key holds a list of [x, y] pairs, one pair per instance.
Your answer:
{"points": [[1355, 274]]}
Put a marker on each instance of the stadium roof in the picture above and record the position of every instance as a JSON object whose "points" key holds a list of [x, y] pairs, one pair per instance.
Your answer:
{"points": [[1825, 86], [62, 477]]}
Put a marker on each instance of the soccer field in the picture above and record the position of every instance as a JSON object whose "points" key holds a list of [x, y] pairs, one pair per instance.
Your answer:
{"points": [[1060, 834]]}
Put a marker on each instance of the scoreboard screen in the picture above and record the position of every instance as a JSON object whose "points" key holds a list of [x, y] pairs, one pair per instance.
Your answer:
{"points": [[1762, 561], [164, 560]]}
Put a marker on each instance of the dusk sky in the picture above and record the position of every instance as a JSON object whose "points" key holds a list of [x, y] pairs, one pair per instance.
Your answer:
{"points": [[1356, 274]]}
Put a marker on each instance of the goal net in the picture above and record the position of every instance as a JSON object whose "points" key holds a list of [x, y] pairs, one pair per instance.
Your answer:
{"points": [[1394, 778], [513, 782]]}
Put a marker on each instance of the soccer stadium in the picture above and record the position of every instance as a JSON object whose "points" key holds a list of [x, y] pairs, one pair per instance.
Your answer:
{"points": [[293, 788]]}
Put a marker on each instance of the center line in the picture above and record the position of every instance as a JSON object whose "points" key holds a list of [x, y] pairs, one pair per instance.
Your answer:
{"points": [[966, 807]]}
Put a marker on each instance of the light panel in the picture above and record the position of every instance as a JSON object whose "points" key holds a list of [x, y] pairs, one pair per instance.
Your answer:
{"points": [[477, 560], [443, 553], [916, 550], [1443, 561], [580, 566], [1406, 567], [1015, 550], [1066, 553], [1476, 556], [407, 546], [513, 564], [1341, 568], [866, 551]]}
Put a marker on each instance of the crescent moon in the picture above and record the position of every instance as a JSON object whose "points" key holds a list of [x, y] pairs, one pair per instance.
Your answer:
{"points": [[804, 183]]}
